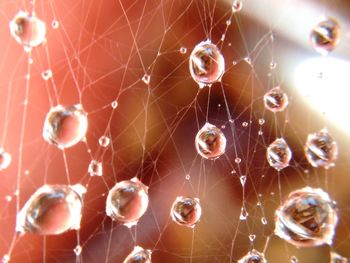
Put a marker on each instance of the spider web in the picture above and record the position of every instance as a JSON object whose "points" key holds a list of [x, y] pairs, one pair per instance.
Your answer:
{"points": [[126, 62]]}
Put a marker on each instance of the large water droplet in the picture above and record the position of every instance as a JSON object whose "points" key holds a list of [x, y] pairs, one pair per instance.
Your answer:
{"points": [[139, 255], [307, 218], [207, 65], [325, 36], [52, 210], [275, 100], [278, 154], [253, 257], [27, 29], [321, 150], [210, 142], [186, 211], [65, 126], [127, 201]]}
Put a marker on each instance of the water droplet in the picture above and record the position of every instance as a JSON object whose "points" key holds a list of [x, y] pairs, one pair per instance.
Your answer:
{"points": [[307, 218], [273, 65], [244, 214], [238, 160], [320, 149], [104, 141], [263, 221], [228, 22], [127, 201], [186, 211], [336, 258], [146, 78], [28, 30], [52, 210], [77, 250], [5, 259], [260, 132], [55, 24], [47, 74], [237, 5], [207, 65], [183, 50], [278, 154], [65, 126], [248, 60], [5, 159], [95, 168], [261, 121], [243, 179], [252, 238], [253, 257], [114, 104], [188, 177], [294, 259], [8, 198], [325, 36], [210, 142], [245, 124], [139, 255], [275, 100]]}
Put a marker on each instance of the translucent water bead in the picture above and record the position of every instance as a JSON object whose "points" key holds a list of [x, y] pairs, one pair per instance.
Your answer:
{"points": [[207, 65], [320, 149], [139, 255], [52, 210], [186, 211], [278, 154], [325, 36], [210, 142], [307, 218], [27, 30], [127, 201], [65, 126]]}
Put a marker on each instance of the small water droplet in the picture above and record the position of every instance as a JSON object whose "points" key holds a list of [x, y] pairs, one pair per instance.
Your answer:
{"points": [[77, 250], [244, 214], [261, 121], [252, 238], [293, 259], [114, 104], [146, 78], [47, 74], [183, 50], [55, 24], [263, 221], [273, 65], [238, 160], [243, 179], [245, 124]]}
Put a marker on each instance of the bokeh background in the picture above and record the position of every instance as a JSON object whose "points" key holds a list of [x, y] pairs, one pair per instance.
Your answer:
{"points": [[99, 54]]}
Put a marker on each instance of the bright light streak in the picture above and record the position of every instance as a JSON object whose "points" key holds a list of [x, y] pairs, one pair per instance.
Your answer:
{"points": [[325, 83]]}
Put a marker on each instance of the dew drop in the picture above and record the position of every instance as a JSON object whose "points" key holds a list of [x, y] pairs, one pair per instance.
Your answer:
{"points": [[294, 259], [183, 50], [55, 24], [5, 159], [275, 100], [245, 124], [104, 141], [321, 150], [95, 168], [210, 142], [186, 211], [253, 257], [244, 214], [146, 78], [252, 238], [207, 65], [65, 126], [278, 154], [127, 201], [336, 258], [47, 74], [307, 218], [28, 30], [248, 60], [8, 198], [273, 65], [243, 179], [237, 5], [139, 255], [77, 250], [188, 177], [263, 221], [238, 160], [114, 104], [325, 36], [52, 210], [261, 121], [5, 259], [228, 22]]}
